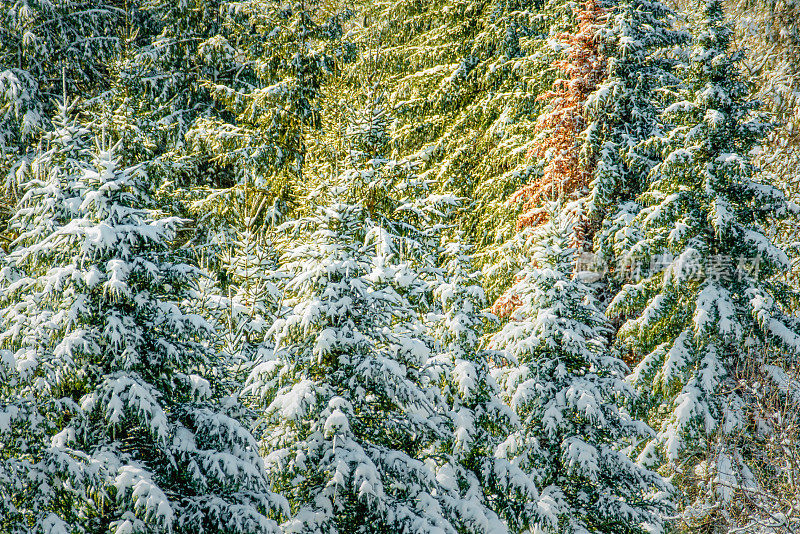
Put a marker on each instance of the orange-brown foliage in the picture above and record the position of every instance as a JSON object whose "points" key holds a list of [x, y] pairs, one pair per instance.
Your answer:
{"points": [[559, 129], [506, 303], [558, 135]]}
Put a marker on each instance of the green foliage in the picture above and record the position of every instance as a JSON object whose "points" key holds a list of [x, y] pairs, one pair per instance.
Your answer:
{"points": [[109, 421], [707, 306], [305, 208]]}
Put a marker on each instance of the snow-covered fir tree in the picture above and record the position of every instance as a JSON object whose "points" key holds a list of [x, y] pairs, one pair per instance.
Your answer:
{"points": [[639, 44], [567, 389], [346, 411], [159, 87], [393, 193], [708, 307], [250, 286], [46, 207], [109, 421], [284, 48], [245, 298], [481, 420], [65, 150], [47, 48], [355, 428], [216, 98]]}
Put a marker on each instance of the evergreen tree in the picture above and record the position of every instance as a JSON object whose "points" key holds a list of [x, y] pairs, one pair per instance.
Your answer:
{"points": [[708, 306], [639, 44], [158, 85], [245, 299], [223, 94], [46, 49], [284, 46], [566, 388], [481, 420], [64, 150], [346, 410], [46, 206], [770, 36], [353, 424], [391, 192], [251, 286], [108, 419]]}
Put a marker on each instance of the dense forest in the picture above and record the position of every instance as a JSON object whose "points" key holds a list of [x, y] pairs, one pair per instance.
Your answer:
{"points": [[399, 266]]}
